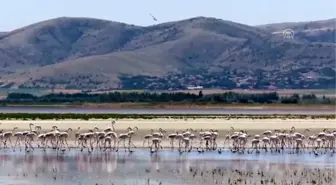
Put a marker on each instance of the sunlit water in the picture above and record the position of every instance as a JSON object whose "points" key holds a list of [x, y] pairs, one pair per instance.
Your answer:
{"points": [[255, 110], [167, 167]]}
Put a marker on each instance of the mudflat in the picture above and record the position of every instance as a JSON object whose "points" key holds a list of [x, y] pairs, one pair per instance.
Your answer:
{"points": [[173, 125]]}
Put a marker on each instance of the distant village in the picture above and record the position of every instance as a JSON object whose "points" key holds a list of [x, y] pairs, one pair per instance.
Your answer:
{"points": [[194, 87]]}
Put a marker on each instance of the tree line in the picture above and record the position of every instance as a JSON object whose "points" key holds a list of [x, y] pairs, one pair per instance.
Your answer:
{"points": [[119, 97]]}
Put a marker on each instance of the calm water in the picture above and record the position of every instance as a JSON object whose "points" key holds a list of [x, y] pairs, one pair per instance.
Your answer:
{"points": [[159, 111], [74, 167]]}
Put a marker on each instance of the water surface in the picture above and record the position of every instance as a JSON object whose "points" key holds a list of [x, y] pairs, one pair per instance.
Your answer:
{"points": [[75, 167]]}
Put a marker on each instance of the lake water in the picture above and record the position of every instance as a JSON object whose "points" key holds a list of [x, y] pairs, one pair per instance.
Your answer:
{"points": [[166, 167], [160, 111]]}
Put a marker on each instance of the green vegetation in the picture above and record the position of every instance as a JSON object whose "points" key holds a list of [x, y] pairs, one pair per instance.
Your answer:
{"points": [[180, 97], [28, 116], [37, 92]]}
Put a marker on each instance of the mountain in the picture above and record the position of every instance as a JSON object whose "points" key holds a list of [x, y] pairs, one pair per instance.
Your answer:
{"points": [[313, 31], [85, 53]]}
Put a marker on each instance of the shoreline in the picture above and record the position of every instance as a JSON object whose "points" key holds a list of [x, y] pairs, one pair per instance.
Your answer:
{"points": [[108, 116], [175, 124], [180, 105], [171, 125], [72, 145]]}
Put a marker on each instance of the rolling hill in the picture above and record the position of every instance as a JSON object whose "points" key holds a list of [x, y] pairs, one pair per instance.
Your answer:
{"points": [[86, 53]]}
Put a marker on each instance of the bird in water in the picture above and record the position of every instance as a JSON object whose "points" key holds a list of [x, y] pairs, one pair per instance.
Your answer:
{"points": [[200, 151]]}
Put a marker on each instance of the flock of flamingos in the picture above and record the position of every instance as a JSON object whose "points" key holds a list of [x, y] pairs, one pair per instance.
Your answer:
{"points": [[108, 139]]}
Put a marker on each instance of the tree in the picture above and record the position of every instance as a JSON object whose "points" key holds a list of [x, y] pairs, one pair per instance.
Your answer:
{"points": [[200, 94]]}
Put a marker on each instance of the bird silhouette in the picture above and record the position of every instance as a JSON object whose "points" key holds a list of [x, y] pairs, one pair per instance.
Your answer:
{"points": [[153, 17]]}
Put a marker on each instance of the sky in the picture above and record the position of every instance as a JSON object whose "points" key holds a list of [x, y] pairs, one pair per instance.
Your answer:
{"points": [[18, 13]]}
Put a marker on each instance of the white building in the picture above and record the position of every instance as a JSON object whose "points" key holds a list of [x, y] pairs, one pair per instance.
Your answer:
{"points": [[194, 87]]}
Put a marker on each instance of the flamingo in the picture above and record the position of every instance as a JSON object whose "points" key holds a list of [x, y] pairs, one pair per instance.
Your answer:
{"points": [[7, 137]]}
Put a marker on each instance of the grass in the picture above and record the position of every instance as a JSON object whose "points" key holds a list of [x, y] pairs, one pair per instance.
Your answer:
{"points": [[281, 92], [201, 105], [179, 105], [318, 92], [256, 91], [40, 116]]}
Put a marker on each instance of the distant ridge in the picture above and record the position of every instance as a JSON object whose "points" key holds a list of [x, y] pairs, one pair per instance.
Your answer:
{"points": [[91, 54]]}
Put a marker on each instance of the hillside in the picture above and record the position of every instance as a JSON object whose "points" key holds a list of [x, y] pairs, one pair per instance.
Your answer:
{"points": [[313, 31], [84, 53]]}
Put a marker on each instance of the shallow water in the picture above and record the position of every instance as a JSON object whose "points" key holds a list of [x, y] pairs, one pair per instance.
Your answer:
{"points": [[256, 110], [75, 167]]}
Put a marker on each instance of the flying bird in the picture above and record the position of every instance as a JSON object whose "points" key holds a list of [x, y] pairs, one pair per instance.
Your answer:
{"points": [[153, 17]]}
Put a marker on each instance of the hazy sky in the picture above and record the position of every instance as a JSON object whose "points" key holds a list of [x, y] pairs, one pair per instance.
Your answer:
{"points": [[18, 13]]}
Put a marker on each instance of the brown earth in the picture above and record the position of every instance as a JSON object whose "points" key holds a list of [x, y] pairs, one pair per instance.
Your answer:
{"points": [[84, 53]]}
